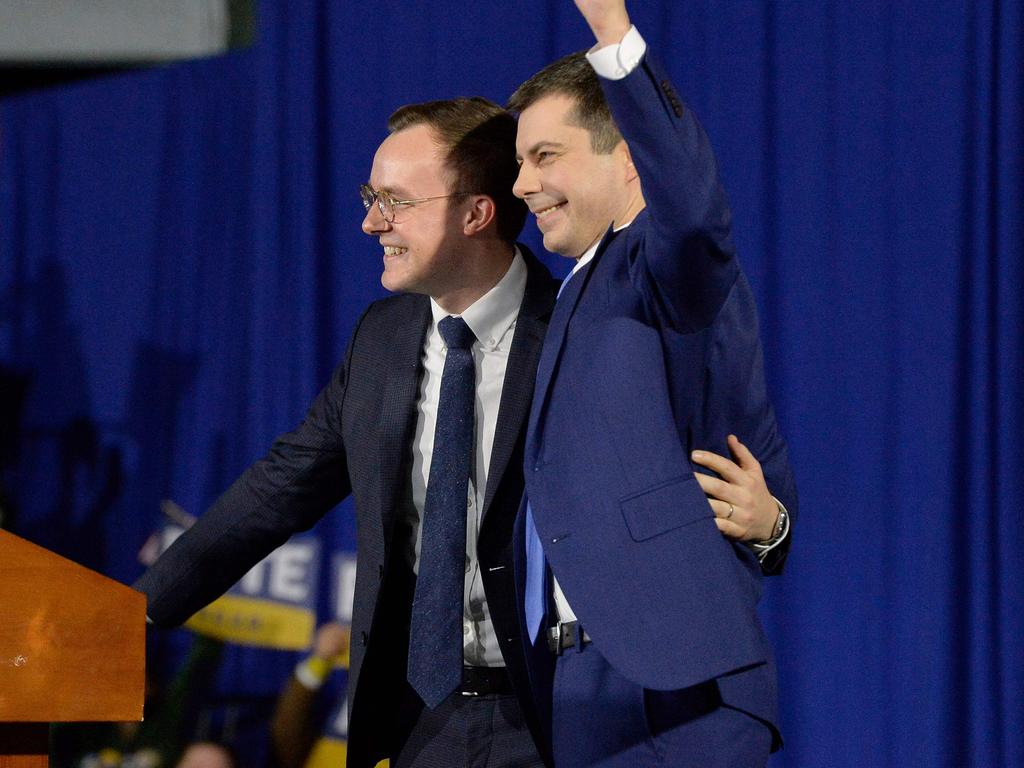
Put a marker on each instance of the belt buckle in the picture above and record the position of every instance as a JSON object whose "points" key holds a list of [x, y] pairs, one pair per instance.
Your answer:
{"points": [[554, 638], [465, 682], [562, 636]]}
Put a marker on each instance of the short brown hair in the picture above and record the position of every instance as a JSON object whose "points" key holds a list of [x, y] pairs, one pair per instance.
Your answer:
{"points": [[480, 138], [573, 76]]}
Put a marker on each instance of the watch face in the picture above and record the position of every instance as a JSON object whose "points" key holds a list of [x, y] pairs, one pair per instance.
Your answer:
{"points": [[780, 524]]}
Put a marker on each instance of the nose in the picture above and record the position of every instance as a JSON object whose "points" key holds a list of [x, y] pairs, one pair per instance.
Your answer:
{"points": [[374, 221], [526, 182]]}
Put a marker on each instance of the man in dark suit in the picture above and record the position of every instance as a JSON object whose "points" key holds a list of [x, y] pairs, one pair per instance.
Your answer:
{"points": [[652, 351], [439, 201]]}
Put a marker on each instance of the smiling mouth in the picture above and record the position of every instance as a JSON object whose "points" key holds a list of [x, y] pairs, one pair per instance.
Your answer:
{"points": [[543, 212], [394, 250]]}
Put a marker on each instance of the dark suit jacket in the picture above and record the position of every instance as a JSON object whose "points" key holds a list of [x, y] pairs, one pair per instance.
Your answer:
{"points": [[653, 351], [357, 438]]}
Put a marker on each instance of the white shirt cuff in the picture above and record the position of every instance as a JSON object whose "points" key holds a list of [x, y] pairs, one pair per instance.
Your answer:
{"points": [[614, 62]]}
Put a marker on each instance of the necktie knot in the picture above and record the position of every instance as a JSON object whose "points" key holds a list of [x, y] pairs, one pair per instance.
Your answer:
{"points": [[456, 333]]}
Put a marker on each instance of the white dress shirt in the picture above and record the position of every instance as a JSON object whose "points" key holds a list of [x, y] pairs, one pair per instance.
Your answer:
{"points": [[492, 318]]}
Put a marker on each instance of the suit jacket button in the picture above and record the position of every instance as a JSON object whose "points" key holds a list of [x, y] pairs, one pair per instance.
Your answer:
{"points": [[364, 638]]}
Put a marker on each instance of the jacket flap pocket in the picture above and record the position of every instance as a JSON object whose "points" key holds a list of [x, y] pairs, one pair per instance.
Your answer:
{"points": [[664, 507]]}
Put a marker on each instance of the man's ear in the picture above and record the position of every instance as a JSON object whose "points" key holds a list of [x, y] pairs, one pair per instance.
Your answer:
{"points": [[627, 160], [479, 215]]}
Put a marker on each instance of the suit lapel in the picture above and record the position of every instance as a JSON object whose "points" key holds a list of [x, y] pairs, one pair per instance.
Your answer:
{"points": [[398, 406], [520, 371], [553, 343]]}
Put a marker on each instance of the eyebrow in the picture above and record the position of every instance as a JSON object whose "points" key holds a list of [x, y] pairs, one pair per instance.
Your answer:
{"points": [[395, 191], [545, 143]]}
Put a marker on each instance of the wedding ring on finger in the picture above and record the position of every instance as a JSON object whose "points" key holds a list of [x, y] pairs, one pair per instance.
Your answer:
{"points": [[731, 510]]}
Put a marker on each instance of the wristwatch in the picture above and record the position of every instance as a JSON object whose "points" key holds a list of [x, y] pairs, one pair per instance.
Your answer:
{"points": [[779, 532], [781, 525]]}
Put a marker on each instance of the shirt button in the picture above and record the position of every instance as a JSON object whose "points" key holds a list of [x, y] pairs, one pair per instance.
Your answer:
{"points": [[465, 627]]}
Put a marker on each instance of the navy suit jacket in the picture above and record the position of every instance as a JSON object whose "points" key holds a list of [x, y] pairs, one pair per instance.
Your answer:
{"points": [[653, 351], [357, 438]]}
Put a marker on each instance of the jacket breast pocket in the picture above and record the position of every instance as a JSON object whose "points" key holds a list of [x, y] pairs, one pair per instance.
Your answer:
{"points": [[664, 507]]}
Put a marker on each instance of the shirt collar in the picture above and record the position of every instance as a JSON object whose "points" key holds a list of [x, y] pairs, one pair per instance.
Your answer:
{"points": [[491, 316], [588, 254]]}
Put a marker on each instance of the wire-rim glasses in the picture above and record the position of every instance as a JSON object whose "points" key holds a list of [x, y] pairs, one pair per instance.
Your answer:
{"points": [[387, 203]]}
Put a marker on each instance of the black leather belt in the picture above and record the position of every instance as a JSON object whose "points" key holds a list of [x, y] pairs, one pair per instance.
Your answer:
{"points": [[483, 681], [563, 636]]}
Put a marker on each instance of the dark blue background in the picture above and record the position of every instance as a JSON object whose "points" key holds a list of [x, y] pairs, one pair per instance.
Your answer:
{"points": [[181, 265]]}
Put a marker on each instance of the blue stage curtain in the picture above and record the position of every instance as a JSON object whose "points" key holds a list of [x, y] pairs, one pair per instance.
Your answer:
{"points": [[181, 265]]}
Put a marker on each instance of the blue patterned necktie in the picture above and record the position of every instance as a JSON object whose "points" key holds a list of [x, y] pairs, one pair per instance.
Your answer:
{"points": [[435, 635]]}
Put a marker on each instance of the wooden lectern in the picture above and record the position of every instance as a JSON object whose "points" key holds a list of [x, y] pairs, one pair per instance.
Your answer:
{"points": [[72, 647]]}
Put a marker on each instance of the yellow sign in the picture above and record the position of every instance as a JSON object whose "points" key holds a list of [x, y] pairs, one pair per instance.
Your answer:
{"points": [[249, 621]]}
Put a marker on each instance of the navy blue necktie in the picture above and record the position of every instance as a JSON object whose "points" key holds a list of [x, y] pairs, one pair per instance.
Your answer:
{"points": [[435, 635]]}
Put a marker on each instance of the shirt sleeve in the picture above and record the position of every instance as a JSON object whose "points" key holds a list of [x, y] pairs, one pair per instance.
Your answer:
{"points": [[614, 62]]}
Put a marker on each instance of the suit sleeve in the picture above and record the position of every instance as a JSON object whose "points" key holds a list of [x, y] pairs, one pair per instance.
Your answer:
{"points": [[686, 268], [736, 385], [302, 477], [685, 265]]}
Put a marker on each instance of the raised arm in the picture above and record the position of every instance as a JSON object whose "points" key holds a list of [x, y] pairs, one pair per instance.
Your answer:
{"points": [[685, 266]]}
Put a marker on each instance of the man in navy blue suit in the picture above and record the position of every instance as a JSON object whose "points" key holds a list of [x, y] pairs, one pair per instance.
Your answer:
{"points": [[645, 611]]}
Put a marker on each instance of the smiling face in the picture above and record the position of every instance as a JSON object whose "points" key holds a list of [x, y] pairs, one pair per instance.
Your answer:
{"points": [[574, 192], [421, 253]]}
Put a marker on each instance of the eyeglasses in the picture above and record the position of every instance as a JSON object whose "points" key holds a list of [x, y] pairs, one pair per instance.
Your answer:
{"points": [[387, 203]]}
